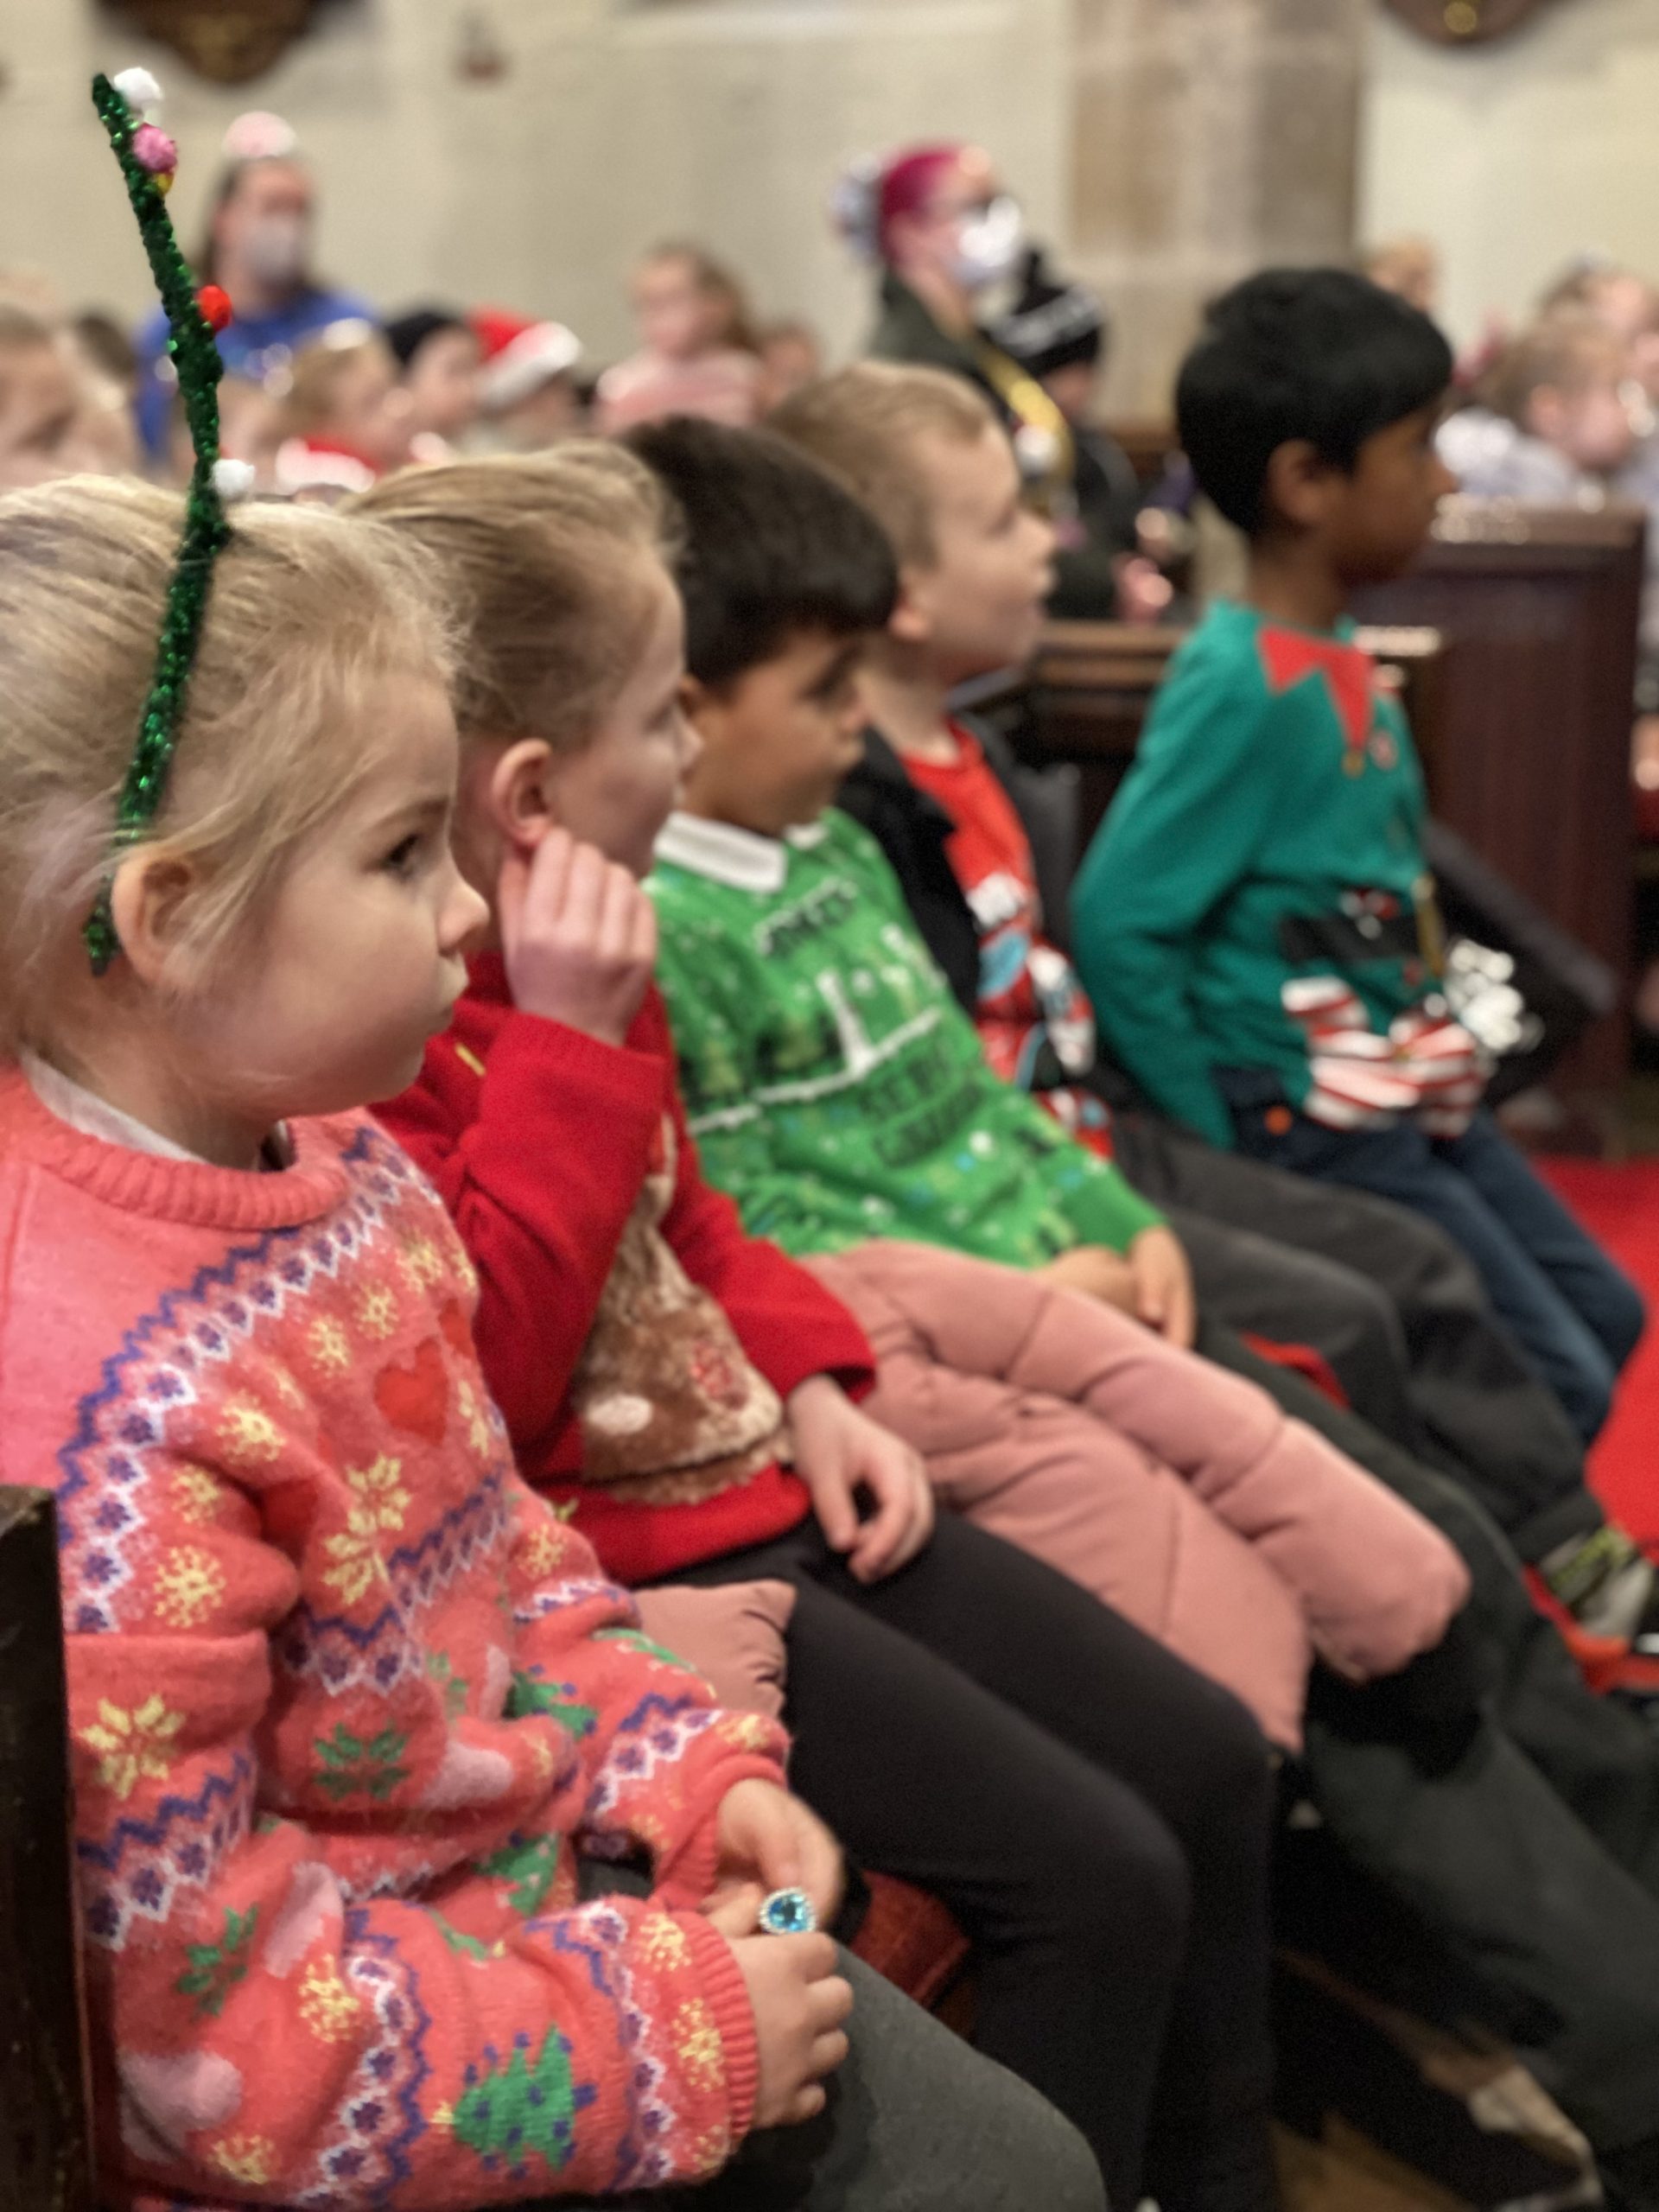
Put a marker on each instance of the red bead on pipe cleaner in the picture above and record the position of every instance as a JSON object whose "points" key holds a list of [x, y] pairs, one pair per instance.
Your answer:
{"points": [[215, 306]]}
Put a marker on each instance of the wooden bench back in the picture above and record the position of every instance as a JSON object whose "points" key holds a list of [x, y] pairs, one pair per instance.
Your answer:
{"points": [[46, 2162]]}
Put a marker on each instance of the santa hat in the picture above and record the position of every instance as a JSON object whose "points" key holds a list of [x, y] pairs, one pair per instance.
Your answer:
{"points": [[520, 355]]}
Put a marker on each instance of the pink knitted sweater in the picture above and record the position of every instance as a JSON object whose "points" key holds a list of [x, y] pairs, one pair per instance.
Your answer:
{"points": [[347, 1700]]}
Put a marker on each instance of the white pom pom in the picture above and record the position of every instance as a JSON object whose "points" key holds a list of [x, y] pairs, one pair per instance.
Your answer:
{"points": [[138, 88], [234, 480]]}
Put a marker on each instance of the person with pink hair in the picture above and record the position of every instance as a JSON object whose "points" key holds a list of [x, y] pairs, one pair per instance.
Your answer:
{"points": [[943, 230]]}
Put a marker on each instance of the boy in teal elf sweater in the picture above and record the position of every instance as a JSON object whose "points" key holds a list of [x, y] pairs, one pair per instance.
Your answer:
{"points": [[1255, 921]]}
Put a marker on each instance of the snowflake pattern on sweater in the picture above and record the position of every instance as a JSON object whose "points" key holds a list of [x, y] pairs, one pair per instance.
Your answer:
{"points": [[347, 1704]]}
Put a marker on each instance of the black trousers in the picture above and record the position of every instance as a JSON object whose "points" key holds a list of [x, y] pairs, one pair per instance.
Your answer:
{"points": [[1515, 1812], [1393, 1305], [1096, 1814]]}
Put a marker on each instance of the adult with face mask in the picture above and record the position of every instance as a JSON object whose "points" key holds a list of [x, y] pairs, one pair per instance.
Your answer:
{"points": [[945, 232], [258, 251]]}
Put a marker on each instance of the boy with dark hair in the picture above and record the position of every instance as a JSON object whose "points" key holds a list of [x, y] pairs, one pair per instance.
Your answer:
{"points": [[1385, 1297], [1255, 921], [837, 1092]]}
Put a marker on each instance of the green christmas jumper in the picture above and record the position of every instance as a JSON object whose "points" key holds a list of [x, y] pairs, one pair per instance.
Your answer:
{"points": [[834, 1086], [1271, 828]]}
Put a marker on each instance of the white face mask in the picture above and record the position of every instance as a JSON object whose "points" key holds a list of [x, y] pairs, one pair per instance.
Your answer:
{"points": [[989, 243], [275, 248]]}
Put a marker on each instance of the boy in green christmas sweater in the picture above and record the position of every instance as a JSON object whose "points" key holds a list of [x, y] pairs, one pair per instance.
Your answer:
{"points": [[1255, 921]]}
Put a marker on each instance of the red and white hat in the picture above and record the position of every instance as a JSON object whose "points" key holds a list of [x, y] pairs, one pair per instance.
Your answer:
{"points": [[519, 355]]}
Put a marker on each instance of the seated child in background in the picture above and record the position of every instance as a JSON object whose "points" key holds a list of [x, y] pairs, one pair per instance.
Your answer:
{"points": [[45, 427], [836, 1088], [1254, 921], [346, 417], [437, 350], [1057, 333], [967, 1717], [1556, 420], [923, 453], [351, 1709], [530, 389], [697, 355]]}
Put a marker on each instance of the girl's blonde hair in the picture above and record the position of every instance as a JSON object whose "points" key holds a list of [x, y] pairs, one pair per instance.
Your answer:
{"points": [[305, 611], [545, 560]]}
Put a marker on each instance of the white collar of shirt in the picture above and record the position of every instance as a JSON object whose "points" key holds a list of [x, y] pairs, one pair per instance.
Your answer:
{"points": [[728, 854], [93, 1117]]}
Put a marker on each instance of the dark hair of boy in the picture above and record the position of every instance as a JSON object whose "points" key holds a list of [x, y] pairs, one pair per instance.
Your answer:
{"points": [[1319, 354], [772, 546]]}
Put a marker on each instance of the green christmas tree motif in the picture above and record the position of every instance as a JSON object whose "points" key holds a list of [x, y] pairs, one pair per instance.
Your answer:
{"points": [[215, 1968], [509, 2114], [636, 1640], [468, 1945], [532, 1693], [527, 1864], [354, 1768]]}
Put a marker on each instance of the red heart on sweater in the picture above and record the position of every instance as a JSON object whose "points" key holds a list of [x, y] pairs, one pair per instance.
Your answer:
{"points": [[452, 1319], [415, 1398]]}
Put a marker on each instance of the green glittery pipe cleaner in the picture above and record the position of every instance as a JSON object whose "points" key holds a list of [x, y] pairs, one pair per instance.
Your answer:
{"points": [[194, 355]]}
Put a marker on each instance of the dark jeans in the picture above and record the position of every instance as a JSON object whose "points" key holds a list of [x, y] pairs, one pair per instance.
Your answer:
{"points": [[1393, 1306], [1520, 1824], [915, 2122], [1096, 1814], [1573, 1313]]}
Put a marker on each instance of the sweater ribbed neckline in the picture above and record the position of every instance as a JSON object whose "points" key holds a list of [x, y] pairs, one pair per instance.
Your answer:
{"points": [[189, 1192]]}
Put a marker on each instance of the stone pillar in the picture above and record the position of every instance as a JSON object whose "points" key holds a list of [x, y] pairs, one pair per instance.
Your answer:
{"points": [[1209, 137]]}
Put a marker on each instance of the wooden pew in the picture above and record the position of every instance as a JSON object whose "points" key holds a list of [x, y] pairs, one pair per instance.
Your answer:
{"points": [[46, 2160]]}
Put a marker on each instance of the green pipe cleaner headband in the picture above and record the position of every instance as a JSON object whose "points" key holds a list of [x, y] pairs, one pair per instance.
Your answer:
{"points": [[149, 160]]}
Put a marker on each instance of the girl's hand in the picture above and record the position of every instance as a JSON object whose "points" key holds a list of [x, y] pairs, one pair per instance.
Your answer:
{"points": [[1164, 1297], [578, 935], [769, 1840], [800, 2005], [840, 1452], [1097, 1273]]}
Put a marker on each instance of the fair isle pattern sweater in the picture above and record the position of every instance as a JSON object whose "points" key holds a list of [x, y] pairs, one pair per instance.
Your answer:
{"points": [[834, 1085], [346, 1701]]}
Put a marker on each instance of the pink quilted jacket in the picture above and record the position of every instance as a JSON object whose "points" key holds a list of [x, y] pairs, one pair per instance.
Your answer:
{"points": [[1177, 1493]]}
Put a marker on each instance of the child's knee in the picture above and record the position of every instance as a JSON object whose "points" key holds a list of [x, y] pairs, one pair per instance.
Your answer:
{"points": [[1035, 2157]]}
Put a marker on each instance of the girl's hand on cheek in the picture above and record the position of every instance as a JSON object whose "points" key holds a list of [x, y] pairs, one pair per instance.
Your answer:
{"points": [[578, 935]]}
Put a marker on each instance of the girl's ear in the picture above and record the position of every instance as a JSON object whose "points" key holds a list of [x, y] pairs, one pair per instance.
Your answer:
{"points": [[519, 797], [147, 899]]}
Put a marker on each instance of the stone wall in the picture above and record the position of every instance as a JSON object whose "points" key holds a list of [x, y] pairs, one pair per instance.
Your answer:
{"points": [[614, 123], [1208, 137]]}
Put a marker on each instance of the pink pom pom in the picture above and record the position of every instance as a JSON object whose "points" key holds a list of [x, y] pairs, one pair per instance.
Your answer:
{"points": [[154, 150]]}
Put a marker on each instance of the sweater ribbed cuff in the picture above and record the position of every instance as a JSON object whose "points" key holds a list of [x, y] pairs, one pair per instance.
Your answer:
{"points": [[728, 1999]]}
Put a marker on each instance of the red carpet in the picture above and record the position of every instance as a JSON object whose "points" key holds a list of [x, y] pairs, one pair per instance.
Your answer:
{"points": [[1620, 1208]]}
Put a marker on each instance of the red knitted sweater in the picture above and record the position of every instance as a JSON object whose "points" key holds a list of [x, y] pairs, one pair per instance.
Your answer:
{"points": [[540, 1140], [347, 1700]]}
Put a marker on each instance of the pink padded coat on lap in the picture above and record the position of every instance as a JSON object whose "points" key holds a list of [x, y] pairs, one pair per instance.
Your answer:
{"points": [[1180, 1494]]}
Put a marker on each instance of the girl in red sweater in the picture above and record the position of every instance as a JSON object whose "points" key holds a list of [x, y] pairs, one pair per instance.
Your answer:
{"points": [[354, 1714], [1095, 1813]]}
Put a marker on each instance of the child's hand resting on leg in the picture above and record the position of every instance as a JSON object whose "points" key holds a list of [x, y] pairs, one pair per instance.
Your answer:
{"points": [[769, 1840], [840, 1452], [578, 935], [800, 2004], [1151, 1284]]}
